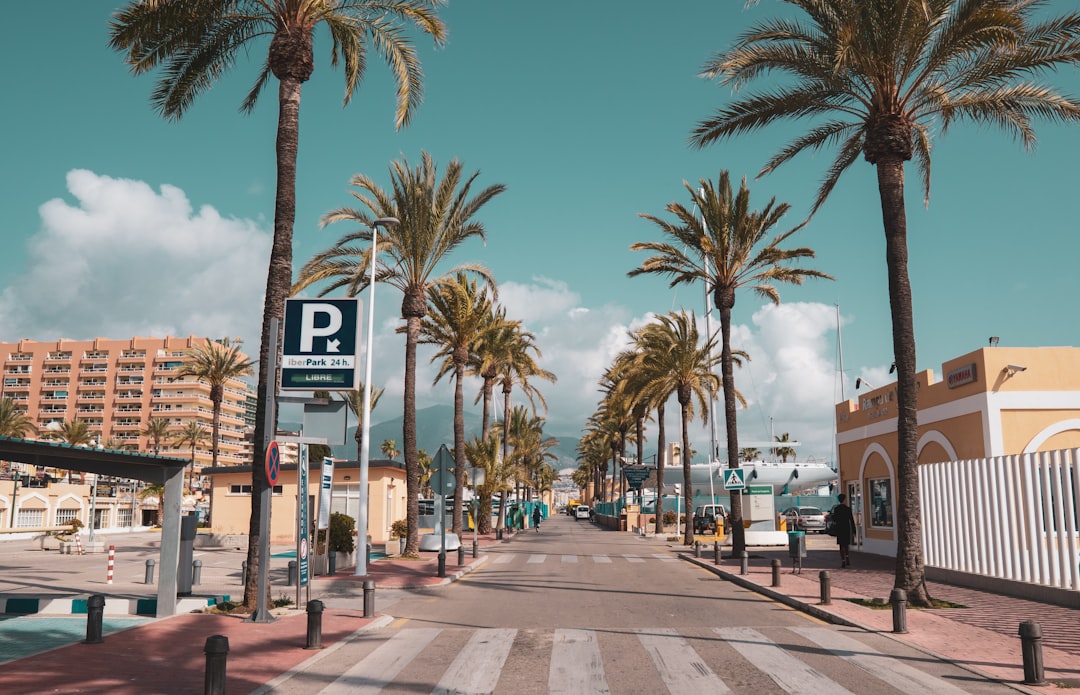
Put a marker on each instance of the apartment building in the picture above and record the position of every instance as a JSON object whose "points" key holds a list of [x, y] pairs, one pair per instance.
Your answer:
{"points": [[116, 386]]}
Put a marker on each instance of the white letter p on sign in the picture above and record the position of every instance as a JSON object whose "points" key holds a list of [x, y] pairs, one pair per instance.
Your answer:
{"points": [[308, 331]]}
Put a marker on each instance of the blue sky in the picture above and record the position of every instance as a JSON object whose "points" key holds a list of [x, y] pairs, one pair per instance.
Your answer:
{"points": [[118, 223]]}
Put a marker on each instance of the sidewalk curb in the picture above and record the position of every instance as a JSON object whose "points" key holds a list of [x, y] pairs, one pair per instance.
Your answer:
{"points": [[456, 575]]}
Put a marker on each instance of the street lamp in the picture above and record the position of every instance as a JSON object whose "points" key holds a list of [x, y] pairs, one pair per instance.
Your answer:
{"points": [[14, 496], [93, 495], [365, 445]]}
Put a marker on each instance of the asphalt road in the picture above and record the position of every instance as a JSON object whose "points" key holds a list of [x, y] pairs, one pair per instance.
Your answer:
{"points": [[575, 609]]}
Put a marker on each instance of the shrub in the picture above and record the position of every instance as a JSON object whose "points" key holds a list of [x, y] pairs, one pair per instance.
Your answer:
{"points": [[399, 529], [341, 533], [670, 517]]}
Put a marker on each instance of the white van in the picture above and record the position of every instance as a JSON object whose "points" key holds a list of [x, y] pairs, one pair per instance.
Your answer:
{"points": [[582, 511]]}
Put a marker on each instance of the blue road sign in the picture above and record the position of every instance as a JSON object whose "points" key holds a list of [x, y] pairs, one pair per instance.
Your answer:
{"points": [[734, 479], [321, 344]]}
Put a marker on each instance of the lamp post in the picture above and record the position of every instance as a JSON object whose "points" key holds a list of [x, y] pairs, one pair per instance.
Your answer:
{"points": [[365, 445], [14, 496], [93, 494]]}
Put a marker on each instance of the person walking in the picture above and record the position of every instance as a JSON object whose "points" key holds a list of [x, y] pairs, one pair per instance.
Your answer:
{"points": [[537, 516], [843, 523]]}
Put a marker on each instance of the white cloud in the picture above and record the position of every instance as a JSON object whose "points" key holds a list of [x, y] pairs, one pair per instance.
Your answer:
{"points": [[124, 260]]}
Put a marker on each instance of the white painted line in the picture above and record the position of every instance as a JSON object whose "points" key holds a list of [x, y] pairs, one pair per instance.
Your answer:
{"points": [[665, 557], [576, 665], [569, 559], [633, 558], [477, 666], [790, 673], [536, 559], [894, 672], [503, 559], [601, 559], [379, 668], [679, 666]]}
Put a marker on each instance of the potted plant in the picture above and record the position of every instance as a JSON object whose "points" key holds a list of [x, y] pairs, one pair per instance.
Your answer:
{"points": [[342, 543], [400, 530]]}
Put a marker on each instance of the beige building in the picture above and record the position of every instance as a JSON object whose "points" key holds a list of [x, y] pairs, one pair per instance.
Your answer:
{"points": [[230, 502], [116, 386], [991, 402]]}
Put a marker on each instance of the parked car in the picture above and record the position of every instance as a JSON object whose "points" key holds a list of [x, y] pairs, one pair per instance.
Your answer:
{"points": [[808, 519], [582, 512], [705, 517]]}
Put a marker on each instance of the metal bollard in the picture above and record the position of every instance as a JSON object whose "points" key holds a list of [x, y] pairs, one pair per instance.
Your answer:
{"points": [[826, 587], [217, 653], [716, 553], [292, 573], [442, 564], [243, 572], [745, 569], [369, 598], [498, 534], [1031, 648], [898, 599], [149, 578], [776, 564], [196, 572], [331, 563], [314, 624], [95, 607], [474, 548], [461, 555], [697, 548]]}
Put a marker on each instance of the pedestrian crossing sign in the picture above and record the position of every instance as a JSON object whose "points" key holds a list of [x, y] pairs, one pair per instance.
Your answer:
{"points": [[734, 479]]}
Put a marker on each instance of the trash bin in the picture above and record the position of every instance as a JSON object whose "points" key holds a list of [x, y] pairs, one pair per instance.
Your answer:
{"points": [[189, 528], [797, 548]]}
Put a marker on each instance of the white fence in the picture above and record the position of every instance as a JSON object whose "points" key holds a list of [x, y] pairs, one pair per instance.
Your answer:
{"points": [[1012, 517]]}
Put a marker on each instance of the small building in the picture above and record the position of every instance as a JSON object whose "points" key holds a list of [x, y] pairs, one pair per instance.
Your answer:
{"points": [[230, 498], [991, 402]]}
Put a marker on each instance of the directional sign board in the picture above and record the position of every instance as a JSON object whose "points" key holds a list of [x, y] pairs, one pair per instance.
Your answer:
{"points": [[442, 467], [734, 479], [636, 475], [321, 344]]}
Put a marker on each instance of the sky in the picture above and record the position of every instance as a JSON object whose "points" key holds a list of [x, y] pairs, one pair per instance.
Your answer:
{"points": [[117, 222]]}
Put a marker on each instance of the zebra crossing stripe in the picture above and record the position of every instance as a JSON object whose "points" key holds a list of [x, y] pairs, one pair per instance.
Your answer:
{"points": [[535, 559], [896, 673], [664, 557], [569, 559], [791, 674], [679, 666], [503, 559], [576, 665], [478, 665], [379, 668], [633, 558], [601, 559]]}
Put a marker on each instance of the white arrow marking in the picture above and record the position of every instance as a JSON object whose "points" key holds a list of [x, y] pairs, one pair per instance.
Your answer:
{"points": [[333, 345]]}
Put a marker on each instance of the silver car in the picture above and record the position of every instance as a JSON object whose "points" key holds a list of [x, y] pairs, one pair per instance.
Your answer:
{"points": [[806, 519]]}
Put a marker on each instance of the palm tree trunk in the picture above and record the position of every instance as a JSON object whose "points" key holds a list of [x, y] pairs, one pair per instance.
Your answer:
{"points": [[278, 286], [216, 427], [661, 444], [910, 569], [412, 466], [688, 490], [738, 533], [459, 445]]}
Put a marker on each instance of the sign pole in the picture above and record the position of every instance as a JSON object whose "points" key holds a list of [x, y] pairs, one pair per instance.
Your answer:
{"points": [[262, 613]]}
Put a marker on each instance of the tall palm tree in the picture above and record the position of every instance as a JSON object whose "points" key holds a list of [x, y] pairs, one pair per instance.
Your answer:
{"points": [[459, 313], [191, 435], [354, 400], [216, 363], [685, 367], [14, 422], [485, 454], [490, 351], [518, 367], [879, 78], [726, 247], [436, 218], [784, 452], [156, 429], [389, 449], [74, 433], [195, 42]]}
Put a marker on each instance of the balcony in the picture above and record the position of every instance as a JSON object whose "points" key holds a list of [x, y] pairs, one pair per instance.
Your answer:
{"points": [[20, 357], [129, 396], [87, 409], [133, 355], [57, 356], [128, 409]]}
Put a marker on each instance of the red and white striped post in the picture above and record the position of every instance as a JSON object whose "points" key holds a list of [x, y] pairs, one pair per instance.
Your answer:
{"points": [[112, 562]]}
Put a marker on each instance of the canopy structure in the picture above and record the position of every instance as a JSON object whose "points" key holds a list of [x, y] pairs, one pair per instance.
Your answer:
{"points": [[161, 470]]}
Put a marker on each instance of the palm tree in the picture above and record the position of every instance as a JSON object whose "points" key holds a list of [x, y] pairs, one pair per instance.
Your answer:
{"points": [[191, 435], [389, 449], [784, 452], [459, 313], [74, 433], [435, 218], [887, 74], [354, 400], [216, 363], [157, 428], [685, 368], [749, 453], [490, 352], [424, 460], [14, 422], [725, 247], [518, 366], [485, 454], [197, 41]]}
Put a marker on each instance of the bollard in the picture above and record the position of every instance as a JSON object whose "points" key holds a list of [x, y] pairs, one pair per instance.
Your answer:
{"points": [[149, 578], [292, 573], [716, 553], [243, 572], [217, 652], [745, 563], [461, 555], [369, 598], [776, 564], [112, 564], [331, 563], [826, 587], [697, 548], [1031, 648], [442, 564], [314, 624], [95, 607], [498, 534], [898, 599], [474, 548], [196, 572]]}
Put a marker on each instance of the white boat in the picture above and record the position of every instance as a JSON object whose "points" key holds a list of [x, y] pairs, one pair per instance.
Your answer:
{"points": [[794, 475]]}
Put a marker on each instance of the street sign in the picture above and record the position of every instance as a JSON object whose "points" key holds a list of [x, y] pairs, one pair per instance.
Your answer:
{"points": [[302, 524], [734, 479], [442, 475], [759, 489], [273, 463], [325, 491], [320, 344], [636, 475]]}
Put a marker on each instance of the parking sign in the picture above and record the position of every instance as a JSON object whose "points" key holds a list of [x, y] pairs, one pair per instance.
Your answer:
{"points": [[321, 344]]}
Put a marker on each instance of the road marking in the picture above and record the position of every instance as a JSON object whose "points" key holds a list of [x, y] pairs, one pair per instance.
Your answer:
{"points": [[665, 557], [897, 674], [633, 558], [570, 559], [503, 559], [791, 674], [478, 665], [379, 668], [576, 665], [679, 666], [535, 559], [601, 559]]}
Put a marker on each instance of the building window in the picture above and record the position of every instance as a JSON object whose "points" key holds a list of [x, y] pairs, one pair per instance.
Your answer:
{"points": [[246, 489], [30, 518], [881, 507], [345, 499], [65, 516], [123, 517]]}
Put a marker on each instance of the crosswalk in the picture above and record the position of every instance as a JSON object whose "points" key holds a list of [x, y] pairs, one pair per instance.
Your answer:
{"points": [[705, 660], [541, 558]]}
